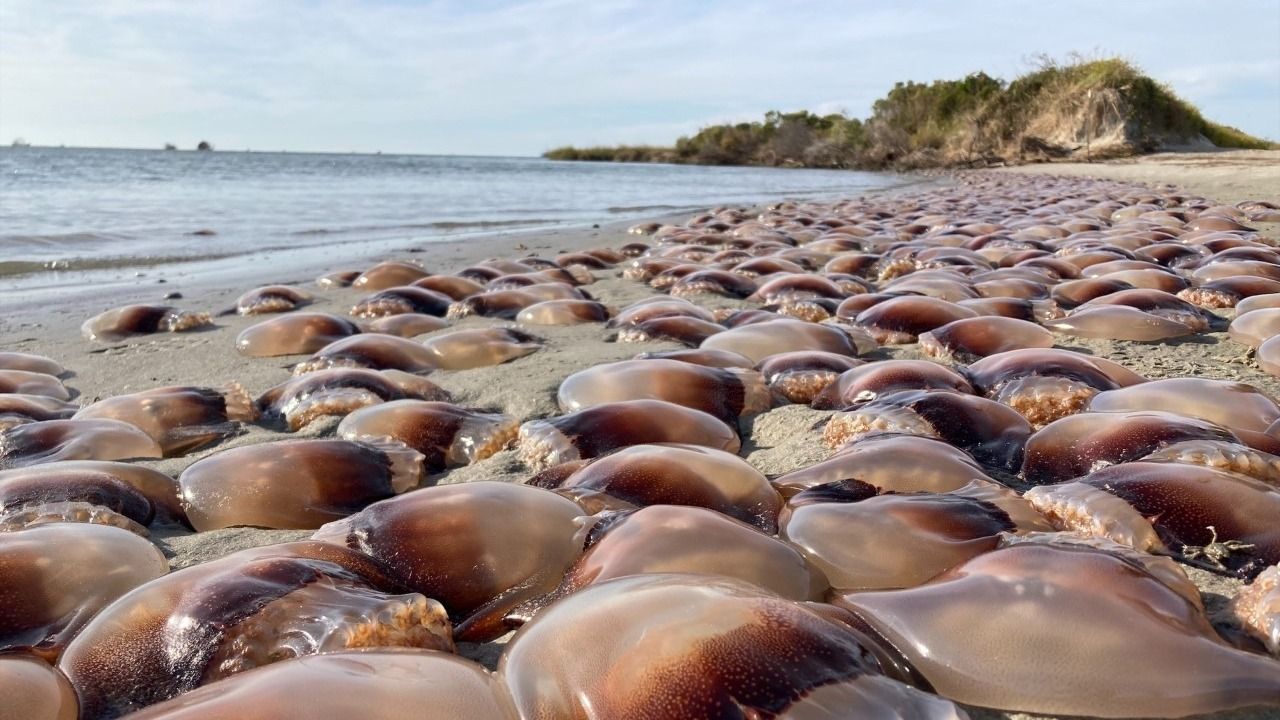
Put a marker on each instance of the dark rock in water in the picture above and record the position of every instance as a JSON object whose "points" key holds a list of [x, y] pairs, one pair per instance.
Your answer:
{"points": [[204, 145], [202, 232], [173, 295]]}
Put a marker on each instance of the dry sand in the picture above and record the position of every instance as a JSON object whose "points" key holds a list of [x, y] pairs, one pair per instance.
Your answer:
{"points": [[776, 442]]}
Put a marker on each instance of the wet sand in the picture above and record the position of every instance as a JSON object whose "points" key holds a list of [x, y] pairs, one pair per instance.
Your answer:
{"points": [[776, 442]]}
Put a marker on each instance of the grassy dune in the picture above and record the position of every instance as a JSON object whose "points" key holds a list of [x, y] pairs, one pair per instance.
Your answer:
{"points": [[1084, 109]]}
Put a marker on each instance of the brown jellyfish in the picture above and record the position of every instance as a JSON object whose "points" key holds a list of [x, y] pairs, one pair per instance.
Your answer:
{"points": [[1043, 384], [1236, 406], [295, 484], [339, 391], [443, 433], [388, 275], [480, 548], [1076, 445], [479, 347], [689, 331], [401, 300], [122, 322], [714, 282], [656, 307], [1150, 278], [249, 609], [989, 431], [797, 286], [338, 279], [1254, 328], [1229, 291], [879, 542], [759, 341], [702, 356], [890, 463], [16, 408], [500, 304], [563, 312], [1268, 356], [34, 690], [1120, 641], [125, 495], [23, 382], [676, 474], [50, 440], [801, 375], [57, 576], [726, 393], [373, 351], [293, 334], [451, 285], [600, 429], [180, 419], [757, 267], [1118, 322], [1078, 292], [1258, 302], [900, 320], [849, 308], [1217, 520], [30, 363], [972, 338], [1016, 308], [868, 382], [271, 299], [1156, 302], [1257, 608], [1223, 455], [407, 325], [732, 650], [695, 540], [372, 684]]}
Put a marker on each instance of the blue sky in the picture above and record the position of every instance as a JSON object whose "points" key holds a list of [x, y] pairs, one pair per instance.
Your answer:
{"points": [[520, 77]]}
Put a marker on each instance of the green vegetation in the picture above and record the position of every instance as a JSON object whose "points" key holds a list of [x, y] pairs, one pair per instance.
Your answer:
{"points": [[1083, 109]]}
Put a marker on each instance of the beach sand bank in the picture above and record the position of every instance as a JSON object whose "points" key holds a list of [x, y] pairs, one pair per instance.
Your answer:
{"points": [[776, 442]]}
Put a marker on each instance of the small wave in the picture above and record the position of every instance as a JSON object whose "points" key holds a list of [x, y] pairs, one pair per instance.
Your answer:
{"points": [[61, 239], [439, 225], [620, 209], [9, 268]]}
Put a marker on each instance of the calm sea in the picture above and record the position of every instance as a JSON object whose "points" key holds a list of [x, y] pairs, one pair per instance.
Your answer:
{"points": [[68, 212]]}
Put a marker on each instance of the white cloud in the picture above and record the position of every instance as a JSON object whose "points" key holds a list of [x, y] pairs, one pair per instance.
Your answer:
{"points": [[497, 77]]}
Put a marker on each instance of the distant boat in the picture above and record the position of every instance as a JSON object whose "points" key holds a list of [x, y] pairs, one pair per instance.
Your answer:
{"points": [[204, 145], [19, 142], [170, 146]]}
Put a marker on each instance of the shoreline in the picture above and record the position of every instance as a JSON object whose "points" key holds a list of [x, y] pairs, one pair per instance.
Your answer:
{"points": [[775, 442]]}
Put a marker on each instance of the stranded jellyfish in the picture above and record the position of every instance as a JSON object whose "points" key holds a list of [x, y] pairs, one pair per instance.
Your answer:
{"points": [[1233, 405], [249, 609], [16, 409], [57, 576], [293, 334], [1257, 607], [372, 684], [675, 474], [50, 440], [801, 375], [34, 690], [180, 419], [373, 351], [689, 331], [122, 322], [991, 432], [406, 325], [759, 341], [679, 645], [1256, 327], [901, 540], [480, 548], [401, 300], [388, 275], [972, 338], [479, 347], [1042, 384], [868, 382], [295, 484], [726, 393], [890, 463], [1120, 641], [30, 363], [597, 430], [110, 493], [339, 391], [271, 299], [900, 320], [445, 434], [32, 383], [563, 312], [1118, 322]]}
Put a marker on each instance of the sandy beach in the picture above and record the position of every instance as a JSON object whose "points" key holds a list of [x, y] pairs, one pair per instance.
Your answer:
{"points": [[778, 441]]}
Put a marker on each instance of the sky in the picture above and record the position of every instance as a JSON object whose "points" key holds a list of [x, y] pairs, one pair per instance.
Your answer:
{"points": [[516, 78]]}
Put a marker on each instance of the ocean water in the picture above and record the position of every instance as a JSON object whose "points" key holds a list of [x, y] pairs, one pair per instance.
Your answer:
{"points": [[67, 212]]}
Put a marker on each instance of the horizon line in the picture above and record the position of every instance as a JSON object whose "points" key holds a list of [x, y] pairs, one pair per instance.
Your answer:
{"points": [[246, 151]]}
